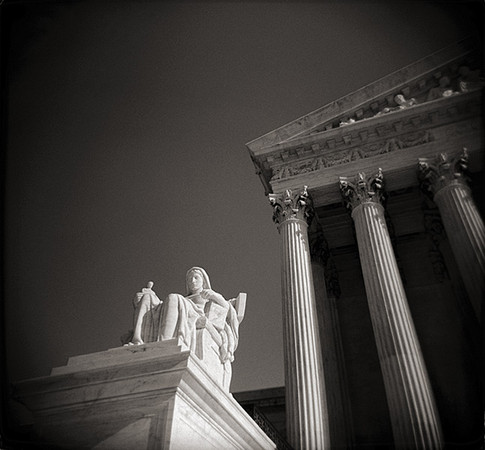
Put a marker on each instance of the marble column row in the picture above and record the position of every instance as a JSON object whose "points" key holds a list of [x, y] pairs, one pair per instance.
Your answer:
{"points": [[412, 409], [444, 179], [413, 413]]}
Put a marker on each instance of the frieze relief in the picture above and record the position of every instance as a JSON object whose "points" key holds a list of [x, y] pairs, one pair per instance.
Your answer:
{"points": [[353, 154], [462, 128]]}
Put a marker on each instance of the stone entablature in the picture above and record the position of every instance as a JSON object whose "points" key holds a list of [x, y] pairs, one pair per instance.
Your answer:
{"points": [[345, 156], [410, 127], [400, 168]]}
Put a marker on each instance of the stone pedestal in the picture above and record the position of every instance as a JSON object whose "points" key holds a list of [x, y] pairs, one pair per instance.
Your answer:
{"points": [[151, 396], [307, 419], [413, 413], [444, 180]]}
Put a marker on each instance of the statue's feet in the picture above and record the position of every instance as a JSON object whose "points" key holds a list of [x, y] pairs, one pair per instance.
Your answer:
{"points": [[136, 342]]}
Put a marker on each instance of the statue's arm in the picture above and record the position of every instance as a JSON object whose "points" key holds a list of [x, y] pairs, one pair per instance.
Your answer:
{"points": [[209, 294]]}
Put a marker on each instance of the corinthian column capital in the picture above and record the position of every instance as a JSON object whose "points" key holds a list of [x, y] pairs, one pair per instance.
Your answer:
{"points": [[442, 171], [362, 189], [291, 206]]}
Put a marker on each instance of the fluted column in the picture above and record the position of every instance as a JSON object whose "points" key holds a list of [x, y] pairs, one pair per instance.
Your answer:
{"points": [[444, 180], [306, 412], [414, 418]]}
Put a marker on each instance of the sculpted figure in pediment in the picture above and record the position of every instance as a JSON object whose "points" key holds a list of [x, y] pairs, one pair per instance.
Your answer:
{"points": [[444, 89], [403, 103], [469, 79]]}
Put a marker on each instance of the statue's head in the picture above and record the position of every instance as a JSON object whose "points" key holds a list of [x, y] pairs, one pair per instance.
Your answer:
{"points": [[444, 81], [196, 280]]}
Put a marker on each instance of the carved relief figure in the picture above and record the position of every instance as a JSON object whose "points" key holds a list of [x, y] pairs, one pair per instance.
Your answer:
{"points": [[346, 122], [403, 103], [443, 90], [469, 79]]}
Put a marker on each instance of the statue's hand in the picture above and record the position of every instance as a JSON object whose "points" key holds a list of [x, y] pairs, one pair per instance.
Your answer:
{"points": [[137, 299], [207, 294]]}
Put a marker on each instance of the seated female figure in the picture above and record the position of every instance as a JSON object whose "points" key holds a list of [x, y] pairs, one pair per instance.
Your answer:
{"points": [[182, 316]]}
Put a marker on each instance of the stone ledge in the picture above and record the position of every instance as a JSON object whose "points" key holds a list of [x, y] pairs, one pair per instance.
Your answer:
{"points": [[157, 396]]}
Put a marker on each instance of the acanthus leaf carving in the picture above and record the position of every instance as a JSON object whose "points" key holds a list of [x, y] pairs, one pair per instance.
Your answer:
{"points": [[291, 206], [363, 190], [436, 173]]}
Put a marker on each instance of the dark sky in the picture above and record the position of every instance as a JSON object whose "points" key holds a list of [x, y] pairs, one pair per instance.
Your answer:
{"points": [[126, 159]]}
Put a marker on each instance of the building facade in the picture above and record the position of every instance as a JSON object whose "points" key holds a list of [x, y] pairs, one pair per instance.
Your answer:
{"points": [[377, 199]]}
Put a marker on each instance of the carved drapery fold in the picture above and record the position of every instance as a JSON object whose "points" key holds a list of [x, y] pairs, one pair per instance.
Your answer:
{"points": [[413, 413], [444, 179], [307, 419]]}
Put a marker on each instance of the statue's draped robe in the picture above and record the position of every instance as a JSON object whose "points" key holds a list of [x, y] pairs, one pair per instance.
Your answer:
{"points": [[222, 318], [150, 328]]}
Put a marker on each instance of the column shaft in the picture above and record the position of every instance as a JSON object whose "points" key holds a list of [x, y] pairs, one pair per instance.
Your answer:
{"points": [[414, 419], [466, 234], [307, 423], [445, 180]]}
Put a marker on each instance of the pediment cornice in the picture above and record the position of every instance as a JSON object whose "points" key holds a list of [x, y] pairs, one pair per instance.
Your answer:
{"points": [[371, 129], [412, 81]]}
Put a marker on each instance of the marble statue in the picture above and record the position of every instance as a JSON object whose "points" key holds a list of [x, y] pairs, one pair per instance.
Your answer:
{"points": [[403, 103], [202, 320], [442, 90], [346, 122], [201, 308], [469, 79], [146, 317]]}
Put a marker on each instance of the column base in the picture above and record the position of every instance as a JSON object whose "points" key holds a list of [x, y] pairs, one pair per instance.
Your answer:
{"points": [[151, 396]]}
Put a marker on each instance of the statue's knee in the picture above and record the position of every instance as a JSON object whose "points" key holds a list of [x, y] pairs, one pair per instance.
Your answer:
{"points": [[145, 300], [171, 300]]}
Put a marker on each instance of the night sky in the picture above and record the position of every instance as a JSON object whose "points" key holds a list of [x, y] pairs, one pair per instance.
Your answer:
{"points": [[126, 159]]}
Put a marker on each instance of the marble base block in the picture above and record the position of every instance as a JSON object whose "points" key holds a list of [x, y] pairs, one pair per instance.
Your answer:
{"points": [[151, 396]]}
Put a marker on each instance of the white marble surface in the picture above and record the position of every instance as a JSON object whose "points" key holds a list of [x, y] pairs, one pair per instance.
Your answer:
{"points": [[156, 395], [202, 319], [306, 410]]}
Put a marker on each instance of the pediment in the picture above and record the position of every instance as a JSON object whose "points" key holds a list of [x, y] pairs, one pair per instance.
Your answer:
{"points": [[414, 81], [440, 101]]}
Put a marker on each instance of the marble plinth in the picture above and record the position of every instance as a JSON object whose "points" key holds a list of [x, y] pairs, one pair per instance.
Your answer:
{"points": [[151, 396]]}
